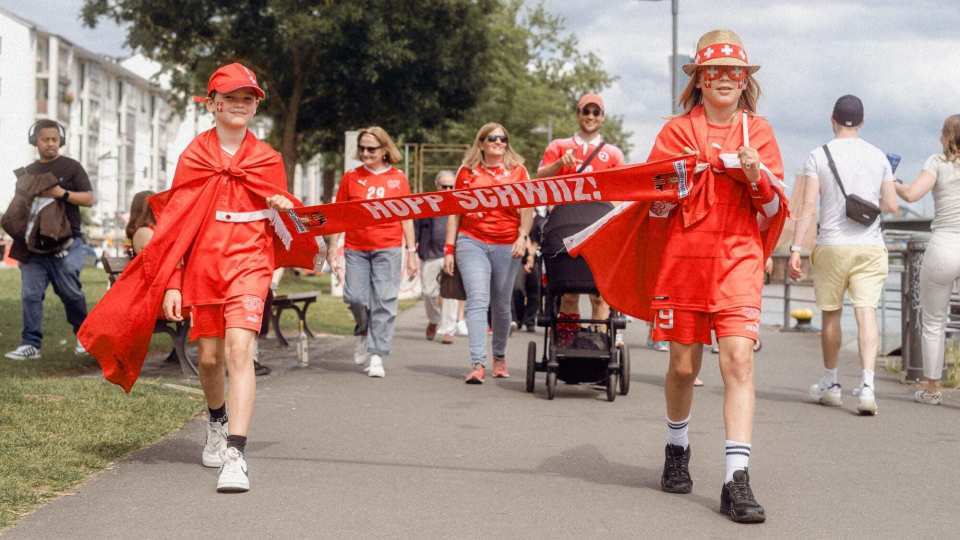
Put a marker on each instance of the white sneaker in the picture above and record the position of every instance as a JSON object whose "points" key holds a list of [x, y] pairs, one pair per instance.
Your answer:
{"points": [[827, 393], [233, 473], [79, 350], [928, 398], [360, 351], [215, 444], [24, 352], [868, 401], [375, 369], [462, 328]]}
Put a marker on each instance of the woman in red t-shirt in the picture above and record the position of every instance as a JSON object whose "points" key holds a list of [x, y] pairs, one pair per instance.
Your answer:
{"points": [[487, 247], [370, 268]]}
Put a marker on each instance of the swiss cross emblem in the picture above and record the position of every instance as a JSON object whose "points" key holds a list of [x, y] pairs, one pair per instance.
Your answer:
{"points": [[726, 50], [708, 53], [603, 156], [393, 184], [743, 55]]}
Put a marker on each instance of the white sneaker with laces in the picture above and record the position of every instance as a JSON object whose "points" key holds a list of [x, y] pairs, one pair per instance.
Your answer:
{"points": [[79, 350], [462, 328], [215, 444], [928, 398], [375, 369], [868, 401], [827, 393], [24, 352], [233, 473], [360, 351]]}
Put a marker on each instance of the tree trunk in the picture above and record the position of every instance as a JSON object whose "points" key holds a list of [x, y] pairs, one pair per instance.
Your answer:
{"points": [[288, 134]]}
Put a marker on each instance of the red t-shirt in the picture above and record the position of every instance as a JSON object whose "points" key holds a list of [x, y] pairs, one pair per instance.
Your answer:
{"points": [[495, 226], [362, 183], [608, 157]]}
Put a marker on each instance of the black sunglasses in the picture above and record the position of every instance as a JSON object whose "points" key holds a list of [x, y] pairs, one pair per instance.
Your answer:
{"points": [[591, 111], [369, 149], [444, 187], [497, 138]]}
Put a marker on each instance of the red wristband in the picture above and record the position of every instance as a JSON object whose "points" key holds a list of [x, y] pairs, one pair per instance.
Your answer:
{"points": [[448, 249]]}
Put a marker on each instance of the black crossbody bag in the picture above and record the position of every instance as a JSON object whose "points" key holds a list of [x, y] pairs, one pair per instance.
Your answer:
{"points": [[858, 209]]}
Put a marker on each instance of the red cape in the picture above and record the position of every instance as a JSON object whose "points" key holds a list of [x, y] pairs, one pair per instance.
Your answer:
{"points": [[630, 253], [117, 331]]}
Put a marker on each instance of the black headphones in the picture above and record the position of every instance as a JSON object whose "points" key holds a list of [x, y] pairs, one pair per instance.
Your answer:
{"points": [[32, 133]]}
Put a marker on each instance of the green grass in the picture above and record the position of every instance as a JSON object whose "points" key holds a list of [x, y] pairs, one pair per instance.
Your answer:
{"points": [[60, 422]]}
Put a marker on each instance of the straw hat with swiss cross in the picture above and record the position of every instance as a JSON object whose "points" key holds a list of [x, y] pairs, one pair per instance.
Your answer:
{"points": [[720, 48]]}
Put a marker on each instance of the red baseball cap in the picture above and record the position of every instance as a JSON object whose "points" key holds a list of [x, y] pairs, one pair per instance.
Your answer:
{"points": [[590, 99], [230, 78]]}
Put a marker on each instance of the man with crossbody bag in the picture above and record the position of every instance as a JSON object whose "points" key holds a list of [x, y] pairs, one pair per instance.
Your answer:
{"points": [[586, 151], [854, 180]]}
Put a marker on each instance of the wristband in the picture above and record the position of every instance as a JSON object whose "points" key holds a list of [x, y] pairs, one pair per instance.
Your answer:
{"points": [[448, 249], [66, 196], [796, 249]]}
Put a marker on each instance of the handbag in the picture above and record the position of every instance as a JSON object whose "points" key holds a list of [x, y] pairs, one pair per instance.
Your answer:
{"points": [[451, 287], [858, 209]]}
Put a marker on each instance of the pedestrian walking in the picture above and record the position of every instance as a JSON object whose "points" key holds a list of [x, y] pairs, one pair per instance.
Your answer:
{"points": [[372, 256], [431, 233], [526, 288], [486, 248], [59, 265], [941, 260], [850, 256]]}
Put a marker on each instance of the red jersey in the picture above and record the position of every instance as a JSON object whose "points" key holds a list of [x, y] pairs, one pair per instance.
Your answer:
{"points": [[495, 226], [607, 158], [230, 259], [362, 183]]}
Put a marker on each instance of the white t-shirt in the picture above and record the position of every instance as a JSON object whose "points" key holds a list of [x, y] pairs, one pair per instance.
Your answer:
{"points": [[946, 193], [863, 168]]}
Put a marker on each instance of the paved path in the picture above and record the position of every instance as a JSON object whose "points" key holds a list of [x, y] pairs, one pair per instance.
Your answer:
{"points": [[419, 454]]}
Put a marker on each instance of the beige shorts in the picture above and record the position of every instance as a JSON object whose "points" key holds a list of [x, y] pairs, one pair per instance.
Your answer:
{"points": [[860, 270]]}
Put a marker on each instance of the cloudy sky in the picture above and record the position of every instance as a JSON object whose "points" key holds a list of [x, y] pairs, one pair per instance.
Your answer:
{"points": [[900, 57]]}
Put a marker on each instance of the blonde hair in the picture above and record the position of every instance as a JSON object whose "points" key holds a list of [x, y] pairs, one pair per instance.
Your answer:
{"points": [[950, 138], [693, 96], [474, 154], [392, 154]]}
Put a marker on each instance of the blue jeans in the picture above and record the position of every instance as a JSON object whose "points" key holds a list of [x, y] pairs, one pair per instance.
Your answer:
{"points": [[488, 272], [370, 288], [64, 274]]}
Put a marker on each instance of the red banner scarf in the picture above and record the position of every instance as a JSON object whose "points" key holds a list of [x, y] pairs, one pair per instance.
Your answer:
{"points": [[660, 180], [117, 331]]}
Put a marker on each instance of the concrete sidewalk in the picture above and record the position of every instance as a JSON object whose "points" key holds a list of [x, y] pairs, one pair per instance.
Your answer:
{"points": [[335, 454]]}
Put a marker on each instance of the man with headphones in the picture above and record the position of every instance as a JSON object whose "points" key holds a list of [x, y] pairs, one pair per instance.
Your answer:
{"points": [[62, 270]]}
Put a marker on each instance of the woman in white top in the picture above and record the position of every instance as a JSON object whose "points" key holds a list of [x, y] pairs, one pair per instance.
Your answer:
{"points": [[941, 261]]}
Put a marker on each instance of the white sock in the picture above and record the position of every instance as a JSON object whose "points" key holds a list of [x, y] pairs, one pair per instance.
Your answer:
{"points": [[737, 458], [868, 377], [677, 432], [830, 376]]}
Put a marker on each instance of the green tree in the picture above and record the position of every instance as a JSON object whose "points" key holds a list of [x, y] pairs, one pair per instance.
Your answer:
{"points": [[535, 72], [326, 65]]}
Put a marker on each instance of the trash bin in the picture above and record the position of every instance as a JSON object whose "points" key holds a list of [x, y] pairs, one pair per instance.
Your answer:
{"points": [[910, 314]]}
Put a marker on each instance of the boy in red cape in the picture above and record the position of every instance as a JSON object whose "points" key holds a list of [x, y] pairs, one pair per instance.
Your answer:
{"points": [[699, 264], [214, 251]]}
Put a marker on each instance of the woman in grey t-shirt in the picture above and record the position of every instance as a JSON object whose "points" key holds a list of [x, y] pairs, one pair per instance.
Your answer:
{"points": [[941, 262]]}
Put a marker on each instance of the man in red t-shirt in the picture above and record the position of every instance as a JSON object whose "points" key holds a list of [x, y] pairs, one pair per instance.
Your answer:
{"points": [[585, 150]]}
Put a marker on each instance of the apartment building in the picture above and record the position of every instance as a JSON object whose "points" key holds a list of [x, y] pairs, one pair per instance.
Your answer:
{"points": [[119, 124]]}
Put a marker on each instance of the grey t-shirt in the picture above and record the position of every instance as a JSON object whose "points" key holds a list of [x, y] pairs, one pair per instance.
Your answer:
{"points": [[946, 193]]}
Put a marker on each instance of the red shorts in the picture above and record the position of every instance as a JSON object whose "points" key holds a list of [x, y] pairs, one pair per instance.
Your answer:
{"points": [[685, 326], [212, 320]]}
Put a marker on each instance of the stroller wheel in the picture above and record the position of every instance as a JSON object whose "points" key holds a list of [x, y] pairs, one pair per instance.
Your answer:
{"points": [[611, 384], [551, 384], [624, 356], [531, 365]]}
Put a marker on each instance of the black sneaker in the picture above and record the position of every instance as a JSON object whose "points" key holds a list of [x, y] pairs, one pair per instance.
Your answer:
{"points": [[736, 500], [676, 470], [260, 369]]}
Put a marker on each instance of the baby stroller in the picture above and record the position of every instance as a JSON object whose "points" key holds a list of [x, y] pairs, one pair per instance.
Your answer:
{"points": [[593, 357]]}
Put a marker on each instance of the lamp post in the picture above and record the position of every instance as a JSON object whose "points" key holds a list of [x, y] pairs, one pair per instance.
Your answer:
{"points": [[675, 12]]}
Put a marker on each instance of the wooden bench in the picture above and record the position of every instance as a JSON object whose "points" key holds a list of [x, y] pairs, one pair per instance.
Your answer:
{"points": [[298, 302], [177, 331]]}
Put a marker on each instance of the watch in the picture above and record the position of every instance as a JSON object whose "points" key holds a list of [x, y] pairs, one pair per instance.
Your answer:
{"points": [[66, 196], [796, 249]]}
